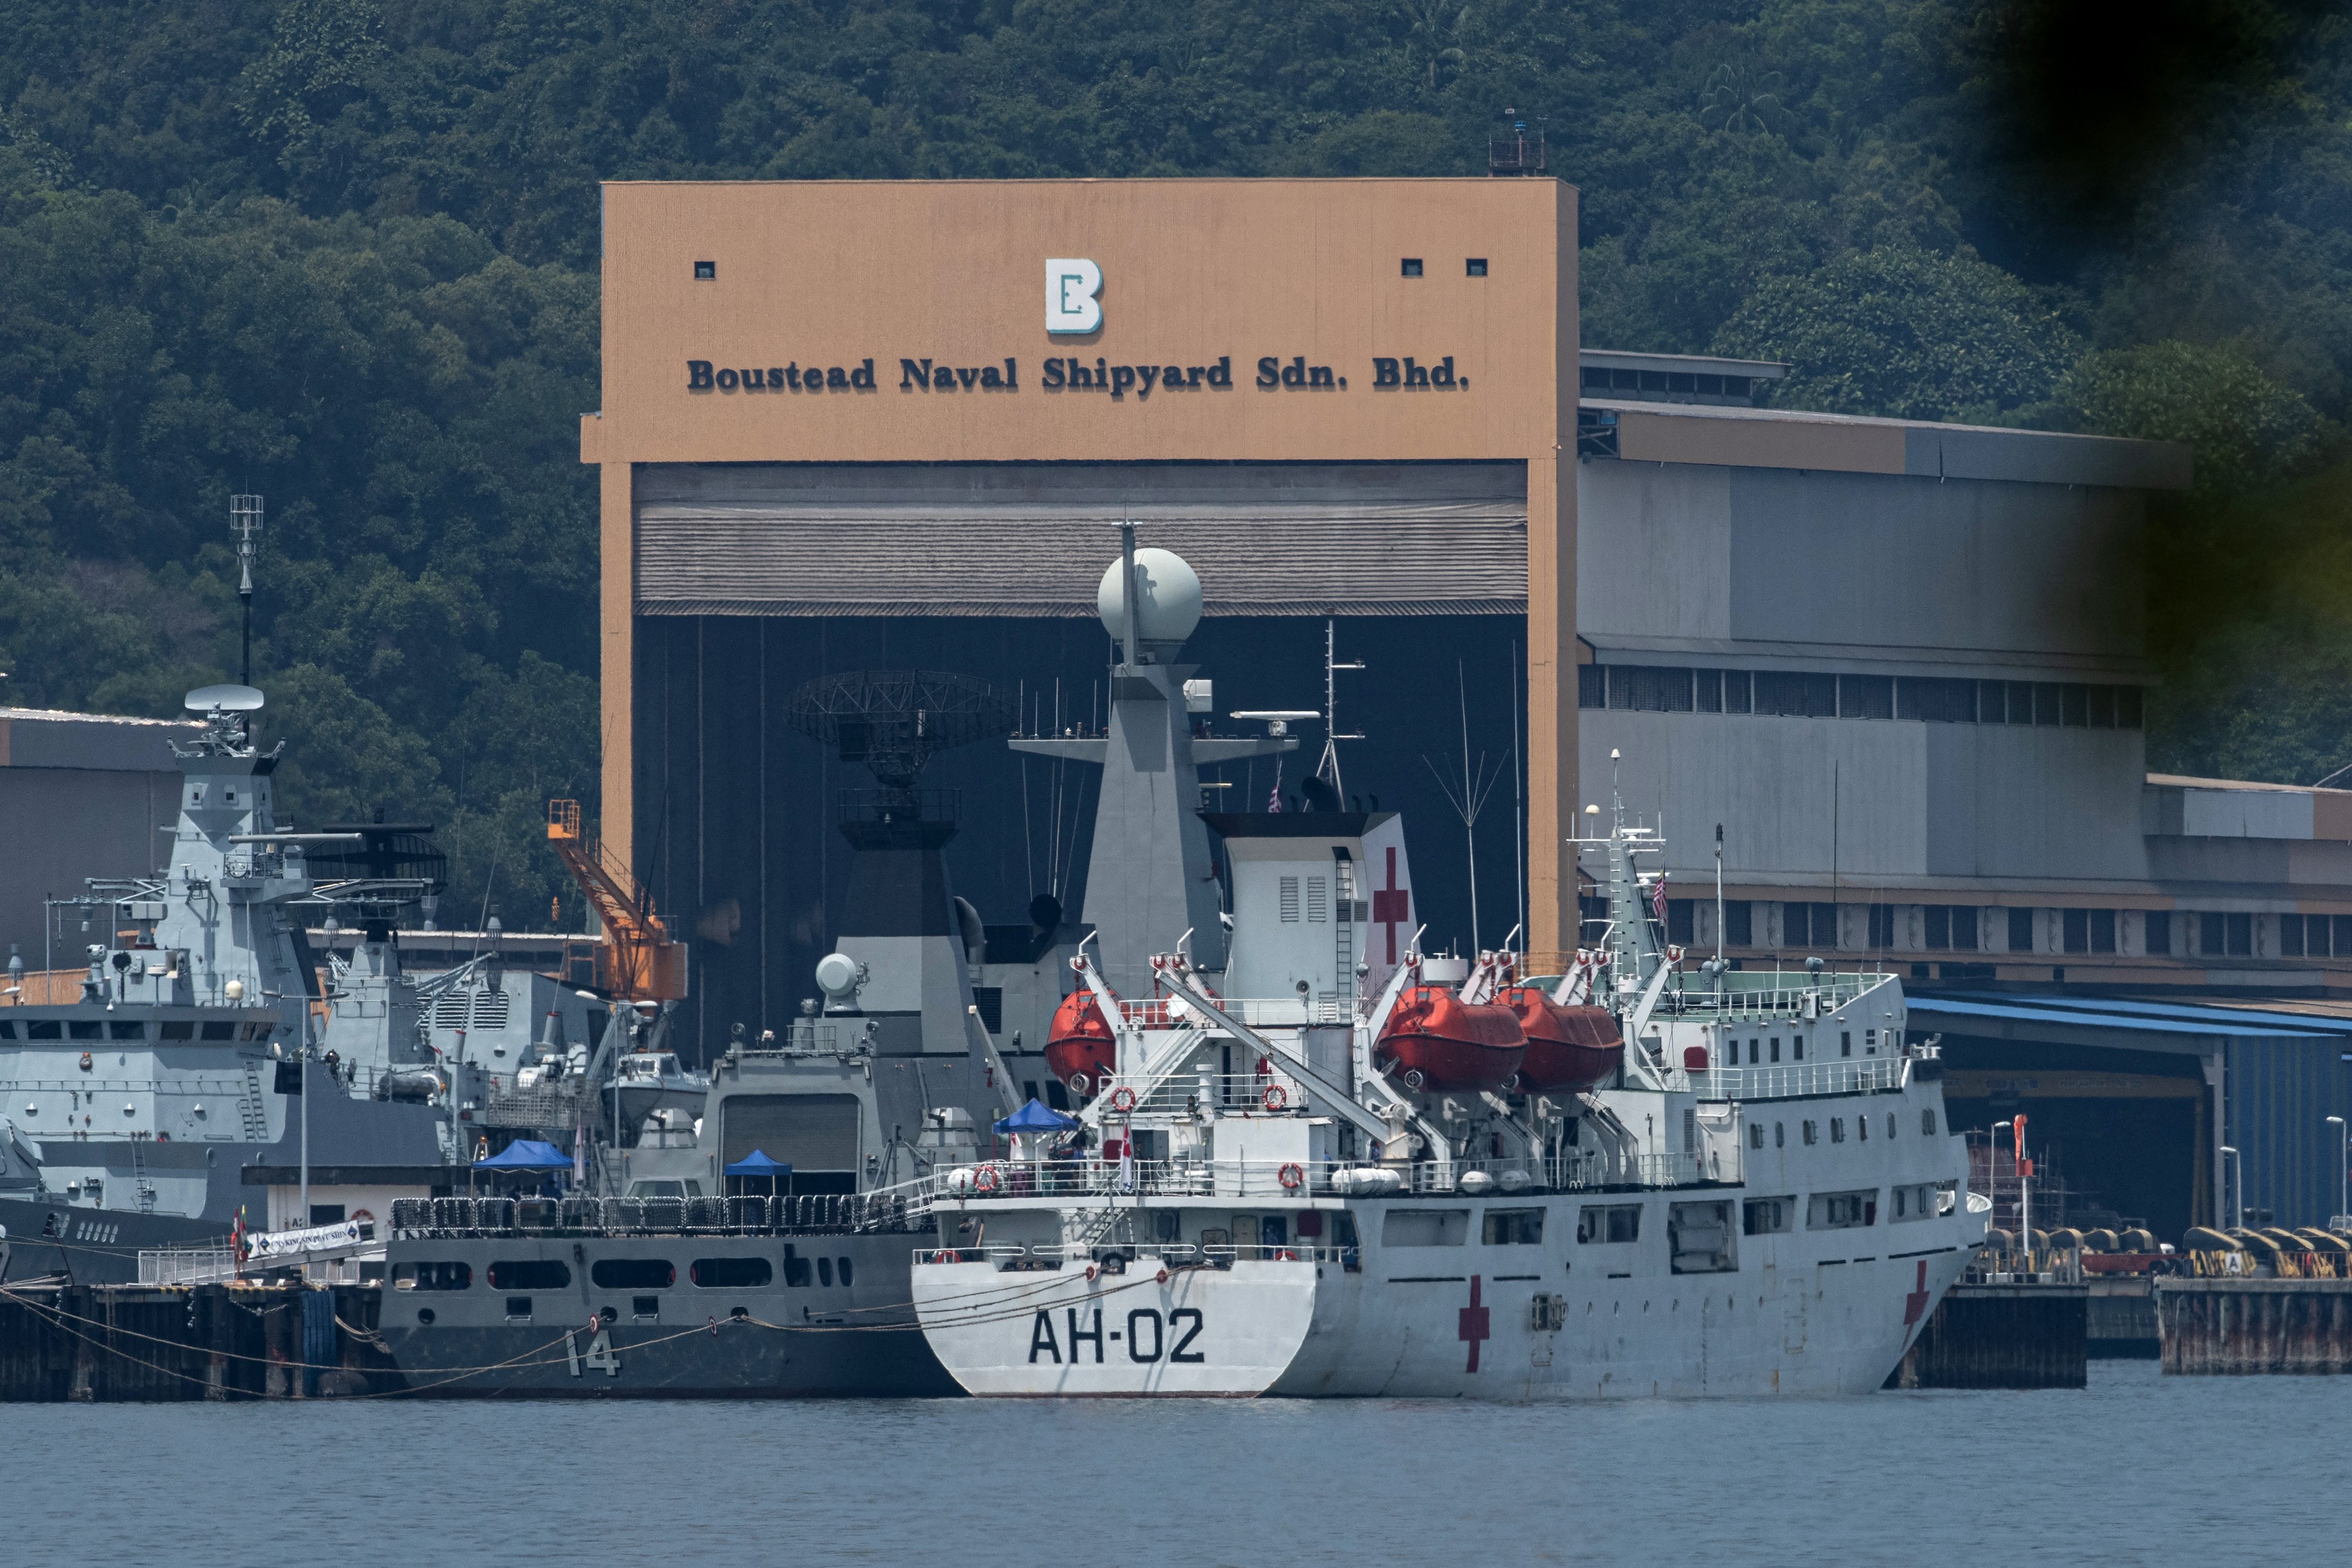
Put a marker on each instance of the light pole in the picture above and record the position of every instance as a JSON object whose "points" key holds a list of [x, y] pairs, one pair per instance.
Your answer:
{"points": [[2237, 1193], [1992, 1167], [2344, 1169]]}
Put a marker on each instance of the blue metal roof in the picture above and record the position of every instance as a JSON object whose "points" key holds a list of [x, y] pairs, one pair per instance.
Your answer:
{"points": [[2154, 1018]]}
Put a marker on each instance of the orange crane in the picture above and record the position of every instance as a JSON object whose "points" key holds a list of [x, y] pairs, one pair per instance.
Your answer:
{"points": [[636, 962]]}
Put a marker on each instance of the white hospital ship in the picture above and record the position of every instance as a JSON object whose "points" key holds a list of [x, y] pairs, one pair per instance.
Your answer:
{"points": [[1341, 1168]]}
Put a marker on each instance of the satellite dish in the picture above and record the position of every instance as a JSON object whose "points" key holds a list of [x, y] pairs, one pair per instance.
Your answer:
{"points": [[228, 699]]}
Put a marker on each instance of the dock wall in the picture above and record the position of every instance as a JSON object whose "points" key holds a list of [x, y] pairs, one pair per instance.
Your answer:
{"points": [[2240, 1327], [2001, 1336]]}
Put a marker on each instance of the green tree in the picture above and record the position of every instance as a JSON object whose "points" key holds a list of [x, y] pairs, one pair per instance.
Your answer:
{"points": [[1906, 332], [2248, 429]]}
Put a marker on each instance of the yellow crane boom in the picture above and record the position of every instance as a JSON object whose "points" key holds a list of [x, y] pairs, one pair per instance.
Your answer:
{"points": [[636, 961]]}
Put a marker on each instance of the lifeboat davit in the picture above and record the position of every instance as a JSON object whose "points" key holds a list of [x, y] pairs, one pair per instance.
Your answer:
{"points": [[1569, 1048], [1080, 1046], [1436, 1041]]}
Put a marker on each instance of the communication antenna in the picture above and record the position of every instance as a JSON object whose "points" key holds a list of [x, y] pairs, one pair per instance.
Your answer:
{"points": [[245, 522], [1328, 768]]}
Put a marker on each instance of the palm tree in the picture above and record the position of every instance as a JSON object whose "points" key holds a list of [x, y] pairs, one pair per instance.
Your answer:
{"points": [[1739, 102], [1432, 24]]}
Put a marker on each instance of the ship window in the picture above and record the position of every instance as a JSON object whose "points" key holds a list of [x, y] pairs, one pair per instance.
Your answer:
{"points": [[45, 1028], [1890, 1123], [1289, 890], [729, 1273], [1900, 1194], [518, 1308], [1766, 1215], [530, 1274], [1797, 1047], [1776, 1047], [844, 1271], [1837, 1129], [1779, 1135], [220, 1031], [431, 1275], [182, 1029], [7, 1031], [1755, 1135], [825, 1271], [796, 1271], [1754, 1048], [120, 1030], [1812, 1132], [1843, 1210], [1845, 1042], [1927, 1122], [1420, 1227], [81, 1028], [1610, 1223], [1861, 1125], [1512, 1227], [633, 1274]]}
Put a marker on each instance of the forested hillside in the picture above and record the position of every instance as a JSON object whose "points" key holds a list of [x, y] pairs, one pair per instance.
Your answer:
{"points": [[343, 252]]}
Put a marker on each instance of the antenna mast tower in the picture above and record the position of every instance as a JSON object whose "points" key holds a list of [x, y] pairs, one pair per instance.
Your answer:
{"points": [[1329, 767], [245, 522]]}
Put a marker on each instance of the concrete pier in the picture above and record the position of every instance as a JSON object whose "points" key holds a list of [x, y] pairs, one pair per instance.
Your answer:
{"points": [[112, 1344], [2122, 1318], [2001, 1336], [2236, 1327]]}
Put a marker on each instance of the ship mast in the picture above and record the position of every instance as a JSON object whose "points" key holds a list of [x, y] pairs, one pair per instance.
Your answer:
{"points": [[1329, 767]]}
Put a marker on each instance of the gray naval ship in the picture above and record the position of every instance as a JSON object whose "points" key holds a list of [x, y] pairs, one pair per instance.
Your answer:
{"points": [[131, 1112], [662, 1275], [671, 1277]]}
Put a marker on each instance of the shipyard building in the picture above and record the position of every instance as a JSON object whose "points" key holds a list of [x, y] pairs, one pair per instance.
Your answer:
{"points": [[1902, 667]]}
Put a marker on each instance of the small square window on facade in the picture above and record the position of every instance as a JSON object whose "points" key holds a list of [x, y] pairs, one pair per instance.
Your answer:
{"points": [[1476, 267], [706, 269], [1413, 266]]}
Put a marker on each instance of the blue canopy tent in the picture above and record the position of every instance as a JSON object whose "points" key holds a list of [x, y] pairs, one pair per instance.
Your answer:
{"points": [[757, 1163], [526, 1154], [1037, 1118]]}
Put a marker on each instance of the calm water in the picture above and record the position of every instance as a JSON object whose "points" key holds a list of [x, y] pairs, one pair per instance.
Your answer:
{"points": [[2138, 1468]]}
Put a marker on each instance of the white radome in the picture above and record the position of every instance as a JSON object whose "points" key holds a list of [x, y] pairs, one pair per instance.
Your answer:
{"points": [[1169, 606]]}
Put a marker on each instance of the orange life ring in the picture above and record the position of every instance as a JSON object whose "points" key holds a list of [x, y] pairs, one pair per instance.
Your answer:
{"points": [[944, 1256], [1285, 1255], [985, 1179], [1291, 1176], [1122, 1098], [1091, 1270], [1274, 1098]]}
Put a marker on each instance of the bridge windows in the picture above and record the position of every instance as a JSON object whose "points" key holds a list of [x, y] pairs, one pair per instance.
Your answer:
{"points": [[1609, 1223], [1768, 1215], [730, 1273], [1843, 1210]]}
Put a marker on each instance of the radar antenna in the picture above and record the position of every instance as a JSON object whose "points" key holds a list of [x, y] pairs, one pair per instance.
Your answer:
{"points": [[895, 721]]}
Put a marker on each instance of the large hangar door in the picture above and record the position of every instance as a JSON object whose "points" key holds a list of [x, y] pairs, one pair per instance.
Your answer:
{"points": [[1032, 538]]}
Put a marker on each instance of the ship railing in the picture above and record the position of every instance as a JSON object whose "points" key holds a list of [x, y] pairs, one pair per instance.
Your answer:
{"points": [[1184, 1093], [1257, 1012], [1748, 997], [1119, 1257], [187, 1265], [1800, 1079], [899, 1208]]}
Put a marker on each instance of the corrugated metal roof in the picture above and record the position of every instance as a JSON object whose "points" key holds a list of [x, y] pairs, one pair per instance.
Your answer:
{"points": [[2102, 1012], [1032, 539]]}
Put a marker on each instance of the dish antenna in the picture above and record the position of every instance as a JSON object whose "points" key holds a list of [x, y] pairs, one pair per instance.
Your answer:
{"points": [[223, 699]]}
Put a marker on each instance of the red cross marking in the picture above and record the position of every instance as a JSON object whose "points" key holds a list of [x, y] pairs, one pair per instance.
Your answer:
{"points": [[1916, 1304], [1391, 907], [1475, 1320]]}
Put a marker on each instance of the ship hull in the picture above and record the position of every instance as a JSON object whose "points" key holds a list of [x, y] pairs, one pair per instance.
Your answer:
{"points": [[1148, 1332], [49, 1238], [829, 1337]]}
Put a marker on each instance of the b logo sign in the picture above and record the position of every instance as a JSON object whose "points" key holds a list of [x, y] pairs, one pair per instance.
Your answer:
{"points": [[1071, 285]]}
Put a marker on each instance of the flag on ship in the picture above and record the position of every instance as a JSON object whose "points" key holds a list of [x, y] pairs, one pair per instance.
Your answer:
{"points": [[1658, 898]]}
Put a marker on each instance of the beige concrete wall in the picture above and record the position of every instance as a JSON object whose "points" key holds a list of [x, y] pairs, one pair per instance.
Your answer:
{"points": [[834, 274]]}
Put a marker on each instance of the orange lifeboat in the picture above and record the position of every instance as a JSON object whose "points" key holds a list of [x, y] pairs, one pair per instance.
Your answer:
{"points": [[1436, 1041], [1569, 1049], [1079, 1048]]}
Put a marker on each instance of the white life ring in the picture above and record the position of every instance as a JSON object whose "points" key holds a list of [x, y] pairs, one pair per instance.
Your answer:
{"points": [[1122, 1098], [1290, 1176], [1274, 1097], [985, 1178]]}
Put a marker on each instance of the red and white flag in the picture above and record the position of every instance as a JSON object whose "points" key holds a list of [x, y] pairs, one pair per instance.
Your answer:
{"points": [[1658, 898]]}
